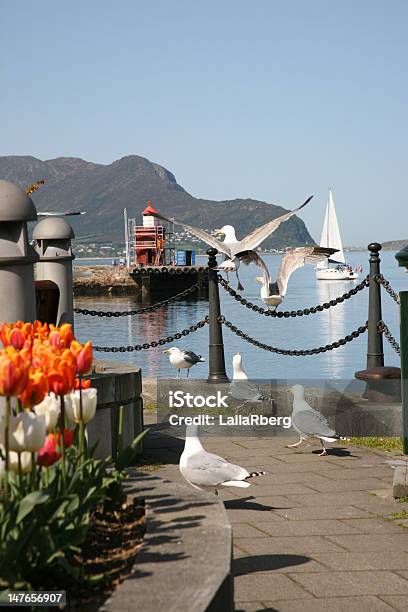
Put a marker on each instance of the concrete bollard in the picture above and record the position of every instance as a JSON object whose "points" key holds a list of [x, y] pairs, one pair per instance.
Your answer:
{"points": [[53, 237], [402, 258], [17, 257]]}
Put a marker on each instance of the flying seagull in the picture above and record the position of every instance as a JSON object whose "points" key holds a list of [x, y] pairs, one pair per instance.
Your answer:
{"points": [[309, 422], [272, 293], [241, 388], [237, 251], [206, 471], [182, 359]]}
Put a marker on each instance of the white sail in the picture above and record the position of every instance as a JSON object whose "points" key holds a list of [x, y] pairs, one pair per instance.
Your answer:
{"points": [[330, 237]]}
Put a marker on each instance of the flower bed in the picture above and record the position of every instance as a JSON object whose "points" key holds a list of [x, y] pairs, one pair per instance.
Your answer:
{"points": [[56, 497]]}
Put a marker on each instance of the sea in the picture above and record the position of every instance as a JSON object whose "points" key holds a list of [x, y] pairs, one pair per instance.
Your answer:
{"points": [[304, 332]]}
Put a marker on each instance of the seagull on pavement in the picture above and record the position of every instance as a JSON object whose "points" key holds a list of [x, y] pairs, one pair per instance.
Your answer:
{"points": [[309, 422], [182, 359], [208, 472], [241, 388], [234, 250], [272, 293]]}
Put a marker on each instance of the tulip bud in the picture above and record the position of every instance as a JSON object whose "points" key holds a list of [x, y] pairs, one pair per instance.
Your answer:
{"points": [[89, 402], [50, 409], [48, 454], [26, 432]]}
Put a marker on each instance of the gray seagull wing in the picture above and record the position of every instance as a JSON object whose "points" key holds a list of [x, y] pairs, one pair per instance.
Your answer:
{"points": [[254, 239], [199, 233], [295, 259], [244, 390], [191, 357], [312, 423], [206, 469]]}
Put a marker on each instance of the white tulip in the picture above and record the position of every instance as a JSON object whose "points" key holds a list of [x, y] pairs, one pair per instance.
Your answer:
{"points": [[89, 402], [25, 459], [50, 409], [26, 432]]}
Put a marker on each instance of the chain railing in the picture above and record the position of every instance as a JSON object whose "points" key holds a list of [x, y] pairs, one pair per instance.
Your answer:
{"points": [[154, 343], [292, 313], [294, 352], [152, 308], [379, 278], [384, 329]]}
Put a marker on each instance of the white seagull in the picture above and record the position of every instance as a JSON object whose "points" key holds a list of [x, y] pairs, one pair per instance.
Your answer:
{"points": [[272, 293], [182, 359], [241, 388], [309, 422], [234, 250], [209, 472]]}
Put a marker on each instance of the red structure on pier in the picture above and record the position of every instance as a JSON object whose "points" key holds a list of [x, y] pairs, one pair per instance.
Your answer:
{"points": [[148, 241]]}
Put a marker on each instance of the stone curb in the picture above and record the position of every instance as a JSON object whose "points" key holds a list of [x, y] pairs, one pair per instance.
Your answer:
{"points": [[400, 482], [185, 560]]}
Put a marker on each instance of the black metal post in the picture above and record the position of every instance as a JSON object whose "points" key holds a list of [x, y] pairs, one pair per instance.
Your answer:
{"points": [[216, 365], [375, 348]]}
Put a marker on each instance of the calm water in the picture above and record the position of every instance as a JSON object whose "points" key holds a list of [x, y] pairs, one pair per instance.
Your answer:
{"points": [[297, 333]]}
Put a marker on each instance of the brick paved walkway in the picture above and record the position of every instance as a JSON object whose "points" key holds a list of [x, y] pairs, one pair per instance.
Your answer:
{"points": [[310, 535]]}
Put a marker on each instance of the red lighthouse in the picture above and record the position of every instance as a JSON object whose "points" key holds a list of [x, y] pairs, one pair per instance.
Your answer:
{"points": [[149, 239]]}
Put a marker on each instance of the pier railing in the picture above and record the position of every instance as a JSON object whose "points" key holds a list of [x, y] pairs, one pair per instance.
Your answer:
{"points": [[375, 324]]}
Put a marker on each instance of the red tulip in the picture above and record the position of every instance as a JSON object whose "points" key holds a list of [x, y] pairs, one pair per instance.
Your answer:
{"points": [[48, 454]]}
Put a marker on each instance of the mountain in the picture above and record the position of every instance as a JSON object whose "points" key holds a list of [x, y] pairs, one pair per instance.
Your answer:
{"points": [[103, 191]]}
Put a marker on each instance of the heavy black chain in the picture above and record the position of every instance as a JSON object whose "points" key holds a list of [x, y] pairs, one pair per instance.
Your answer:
{"points": [[155, 343], [386, 284], [294, 353], [292, 313], [152, 308], [384, 329]]}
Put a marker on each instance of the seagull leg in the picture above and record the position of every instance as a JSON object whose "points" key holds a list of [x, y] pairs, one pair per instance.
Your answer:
{"points": [[324, 451], [240, 286], [227, 275], [188, 372], [178, 374], [296, 444]]}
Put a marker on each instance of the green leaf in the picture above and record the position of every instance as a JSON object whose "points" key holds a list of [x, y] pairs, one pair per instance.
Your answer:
{"points": [[29, 502]]}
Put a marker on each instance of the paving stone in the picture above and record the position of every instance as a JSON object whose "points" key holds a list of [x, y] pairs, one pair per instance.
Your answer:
{"points": [[362, 543], [359, 472], [248, 606], [299, 545], [244, 530], [398, 602], [267, 586], [350, 498], [338, 604], [252, 516], [265, 490], [324, 512], [341, 584], [373, 526], [357, 561], [355, 484], [308, 527]]}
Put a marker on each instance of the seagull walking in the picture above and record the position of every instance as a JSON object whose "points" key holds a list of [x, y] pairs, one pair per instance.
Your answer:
{"points": [[208, 472], [273, 293], [237, 251], [241, 388], [182, 359], [309, 422]]}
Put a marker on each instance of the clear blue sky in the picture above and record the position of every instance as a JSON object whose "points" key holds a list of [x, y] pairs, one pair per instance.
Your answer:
{"points": [[266, 99]]}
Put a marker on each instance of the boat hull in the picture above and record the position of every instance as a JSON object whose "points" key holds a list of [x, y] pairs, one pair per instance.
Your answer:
{"points": [[334, 274]]}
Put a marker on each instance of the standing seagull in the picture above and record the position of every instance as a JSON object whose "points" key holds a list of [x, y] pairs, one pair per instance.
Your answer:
{"points": [[237, 251], [206, 471], [241, 388], [309, 422], [182, 359], [272, 293]]}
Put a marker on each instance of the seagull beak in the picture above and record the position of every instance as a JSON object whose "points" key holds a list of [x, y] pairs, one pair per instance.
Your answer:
{"points": [[166, 351], [218, 232], [259, 279]]}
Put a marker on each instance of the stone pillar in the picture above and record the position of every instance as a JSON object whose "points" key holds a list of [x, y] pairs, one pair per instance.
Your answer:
{"points": [[402, 258], [53, 237], [17, 257]]}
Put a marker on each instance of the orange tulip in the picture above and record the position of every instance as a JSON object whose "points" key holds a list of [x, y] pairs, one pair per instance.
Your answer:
{"points": [[13, 372], [68, 437], [12, 336], [85, 383], [61, 337], [36, 388], [61, 376], [83, 355]]}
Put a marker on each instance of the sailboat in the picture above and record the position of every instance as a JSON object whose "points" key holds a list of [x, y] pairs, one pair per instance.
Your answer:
{"points": [[331, 238]]}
